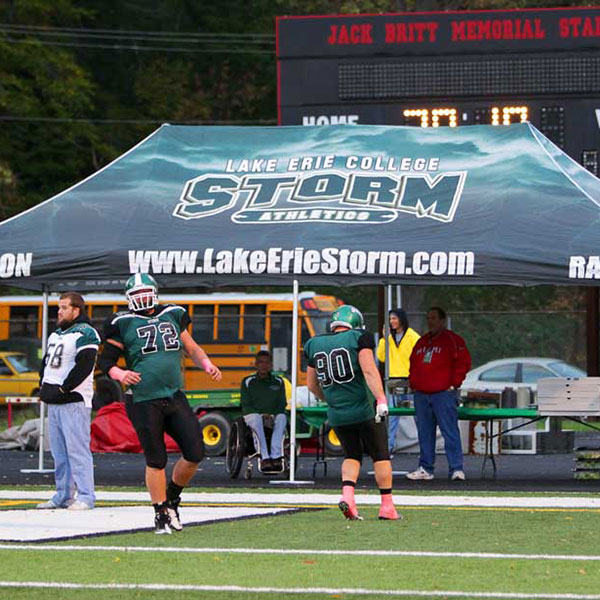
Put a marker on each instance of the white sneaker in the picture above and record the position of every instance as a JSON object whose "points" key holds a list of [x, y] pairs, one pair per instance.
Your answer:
{"points": [[420, 474], [78, 505], [458, 476], [49, 504]]}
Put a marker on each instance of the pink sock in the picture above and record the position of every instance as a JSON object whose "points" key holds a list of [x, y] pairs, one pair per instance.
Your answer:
{"points": [[386, 500], [348, 493]]}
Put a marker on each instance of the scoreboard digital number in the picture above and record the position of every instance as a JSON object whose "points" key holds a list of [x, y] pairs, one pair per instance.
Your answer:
{"points": [[447, 70]]}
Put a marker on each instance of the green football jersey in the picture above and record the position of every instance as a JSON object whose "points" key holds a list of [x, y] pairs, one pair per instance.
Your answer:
{"points": [[334, 356], [152, 348]]}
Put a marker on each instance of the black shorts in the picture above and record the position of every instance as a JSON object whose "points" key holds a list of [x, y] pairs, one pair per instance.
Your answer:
{"points": [[364, 437], [152, 418]]}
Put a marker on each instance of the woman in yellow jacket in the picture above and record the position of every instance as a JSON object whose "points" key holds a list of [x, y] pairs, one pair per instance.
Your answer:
{"points": [[401, 341]]}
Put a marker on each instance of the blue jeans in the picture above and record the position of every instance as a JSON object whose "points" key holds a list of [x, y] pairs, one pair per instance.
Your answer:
{"points": [[432, 410], [255, 422], [69, 432]]}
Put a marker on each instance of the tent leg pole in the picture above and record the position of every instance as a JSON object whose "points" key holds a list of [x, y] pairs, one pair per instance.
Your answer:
{"points": [[592, 324], [42, 436], [386, 334], [292, 478]]}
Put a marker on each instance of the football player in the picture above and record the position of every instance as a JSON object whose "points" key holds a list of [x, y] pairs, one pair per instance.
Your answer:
{"points": [[340, 363], [152, 338]]}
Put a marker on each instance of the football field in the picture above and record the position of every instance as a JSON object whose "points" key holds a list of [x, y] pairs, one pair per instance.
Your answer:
{"points": [[296, 544]]}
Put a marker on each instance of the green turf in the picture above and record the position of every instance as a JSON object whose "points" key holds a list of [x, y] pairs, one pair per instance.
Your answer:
{"points": [[506, 531]]}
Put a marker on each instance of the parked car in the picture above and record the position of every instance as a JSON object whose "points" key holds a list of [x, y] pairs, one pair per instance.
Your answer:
{"points": [[17, 376], [517, 372]]}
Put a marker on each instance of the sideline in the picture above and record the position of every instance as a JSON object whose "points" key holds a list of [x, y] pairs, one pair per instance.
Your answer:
{"points": [[332, 499]]}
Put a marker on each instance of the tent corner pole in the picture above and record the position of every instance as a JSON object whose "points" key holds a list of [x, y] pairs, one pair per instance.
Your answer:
{"points": [[294, 368], [42, 437]]}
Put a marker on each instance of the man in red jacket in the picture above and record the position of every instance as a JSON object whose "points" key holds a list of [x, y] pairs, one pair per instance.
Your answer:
{"points": [[438, 365]]}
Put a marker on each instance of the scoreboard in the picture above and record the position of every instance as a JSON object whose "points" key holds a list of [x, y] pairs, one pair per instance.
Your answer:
{"points": [[449, 69]]}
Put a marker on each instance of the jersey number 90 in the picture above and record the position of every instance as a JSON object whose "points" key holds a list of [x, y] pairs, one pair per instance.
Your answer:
{"points": [[334, 367]]}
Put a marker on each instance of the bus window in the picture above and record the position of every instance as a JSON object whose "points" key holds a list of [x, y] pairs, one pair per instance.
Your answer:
{"points": [[23, 321], [319, 310], [99, 314], [229, 323], [254, 323], [52, 318], [202, 323], [281, 339], [281, 329]]}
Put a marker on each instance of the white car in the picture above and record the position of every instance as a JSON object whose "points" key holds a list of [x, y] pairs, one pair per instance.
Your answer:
{"points": [[517, 372]]}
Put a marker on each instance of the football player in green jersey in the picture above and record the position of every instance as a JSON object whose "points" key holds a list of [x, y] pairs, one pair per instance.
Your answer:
{"points": [[152, 337], [341, 366]]}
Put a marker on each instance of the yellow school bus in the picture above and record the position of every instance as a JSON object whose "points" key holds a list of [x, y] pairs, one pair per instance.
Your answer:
{"points": [[231, 327]]}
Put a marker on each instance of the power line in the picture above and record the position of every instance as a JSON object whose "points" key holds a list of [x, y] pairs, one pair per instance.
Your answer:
{"points": [[114, 39], [84, 30], [168, 38], [144, 48], [139, 121]]}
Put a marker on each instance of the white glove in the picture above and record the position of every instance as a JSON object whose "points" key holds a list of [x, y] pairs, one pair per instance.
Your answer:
{"points": [[381, 410]]}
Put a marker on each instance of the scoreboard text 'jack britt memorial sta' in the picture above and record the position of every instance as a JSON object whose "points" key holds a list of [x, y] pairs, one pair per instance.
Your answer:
{"points": [[447, 69]]}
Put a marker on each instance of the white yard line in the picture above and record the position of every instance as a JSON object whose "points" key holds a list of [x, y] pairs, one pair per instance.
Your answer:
{"points": [[332, 499], [294, 590], [388, 553]]}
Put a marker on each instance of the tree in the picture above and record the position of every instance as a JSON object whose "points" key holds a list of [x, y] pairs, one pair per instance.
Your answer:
{"points": [[40, 82]]}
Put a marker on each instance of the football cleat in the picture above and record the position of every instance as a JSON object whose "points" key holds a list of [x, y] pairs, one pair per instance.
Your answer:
{"points": [[173, 512], [162, 523], [389, 513], [349, 511]]}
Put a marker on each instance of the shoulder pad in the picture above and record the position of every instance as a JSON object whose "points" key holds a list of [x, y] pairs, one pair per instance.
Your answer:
{"points": [[161, 308]]}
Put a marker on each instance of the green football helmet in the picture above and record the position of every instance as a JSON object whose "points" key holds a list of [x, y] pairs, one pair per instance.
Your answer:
{"points": [[141, 291], [347, 316]]}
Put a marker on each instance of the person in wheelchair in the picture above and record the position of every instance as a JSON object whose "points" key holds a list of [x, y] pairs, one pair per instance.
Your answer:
{"points": [[264, 394]]}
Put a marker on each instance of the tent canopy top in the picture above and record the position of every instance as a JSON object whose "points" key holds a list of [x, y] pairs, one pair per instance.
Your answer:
{"points": [[332, 205]]}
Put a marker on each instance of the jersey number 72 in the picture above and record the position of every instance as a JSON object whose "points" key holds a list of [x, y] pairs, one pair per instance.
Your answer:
{"points": [[168, 333]]}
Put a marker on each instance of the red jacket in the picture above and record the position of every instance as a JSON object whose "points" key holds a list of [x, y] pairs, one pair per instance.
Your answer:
{"points": [[438, 362]]}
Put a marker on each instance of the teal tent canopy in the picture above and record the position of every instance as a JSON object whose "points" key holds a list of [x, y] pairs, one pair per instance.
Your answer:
{"points": [[335, 205]]}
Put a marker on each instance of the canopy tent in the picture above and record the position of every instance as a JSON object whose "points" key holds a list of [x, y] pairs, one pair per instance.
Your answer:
{"points": [[336, 205], [322, 205]]}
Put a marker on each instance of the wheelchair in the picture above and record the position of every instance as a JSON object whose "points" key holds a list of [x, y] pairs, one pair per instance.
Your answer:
{"points": [[243, 444]]}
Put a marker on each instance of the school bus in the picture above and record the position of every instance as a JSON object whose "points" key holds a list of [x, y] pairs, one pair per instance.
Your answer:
{"points": [[231, 327]]}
